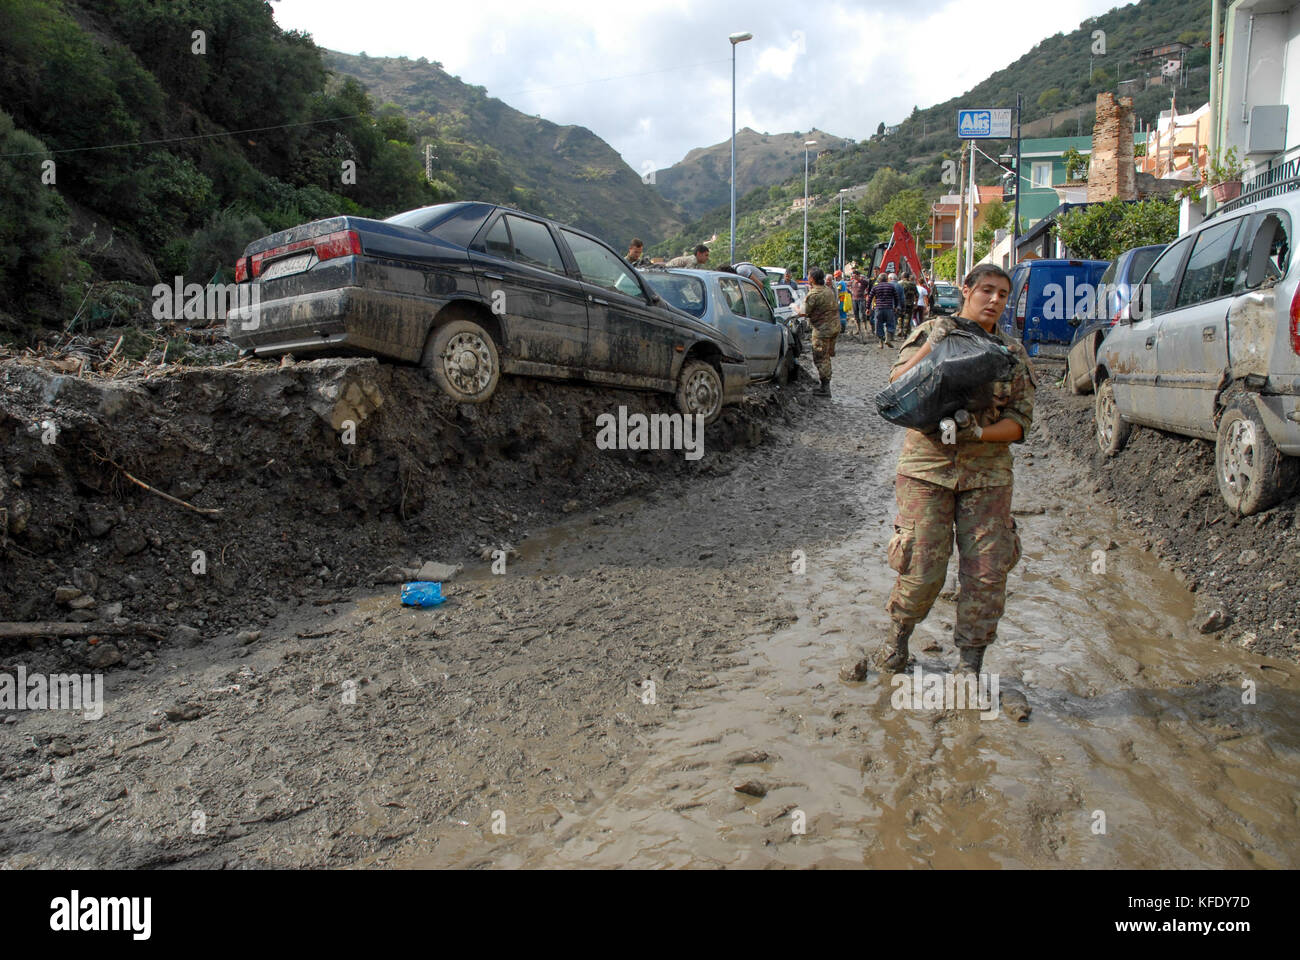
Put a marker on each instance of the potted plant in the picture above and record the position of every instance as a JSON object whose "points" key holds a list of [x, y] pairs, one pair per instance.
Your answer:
{"points": [[1224, 176]]}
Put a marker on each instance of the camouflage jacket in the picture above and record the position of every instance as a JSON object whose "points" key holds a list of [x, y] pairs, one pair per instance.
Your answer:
{"points": [[823, 309], [970, 464], [686, 262]]}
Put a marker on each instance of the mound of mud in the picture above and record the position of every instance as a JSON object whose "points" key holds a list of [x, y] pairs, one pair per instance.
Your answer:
{"points": [[1163, 484], [296, 510]]}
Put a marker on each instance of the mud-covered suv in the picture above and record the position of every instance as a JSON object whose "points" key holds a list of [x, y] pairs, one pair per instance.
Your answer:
{"points": [[1210, 348]]}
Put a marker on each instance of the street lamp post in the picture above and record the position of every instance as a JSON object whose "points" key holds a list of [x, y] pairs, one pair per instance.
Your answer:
{"points": [[736, 39], [843, 258], [806, 145]]}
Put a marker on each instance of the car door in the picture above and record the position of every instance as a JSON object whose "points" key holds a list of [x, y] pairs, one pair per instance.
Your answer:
{"points": [[1191, 338], [522, 276], [1130, 349], [732, 318], [765, 334], [630, 340]]}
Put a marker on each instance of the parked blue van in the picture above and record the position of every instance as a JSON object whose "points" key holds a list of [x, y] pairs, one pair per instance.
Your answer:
{"points": [[1045, 297]]}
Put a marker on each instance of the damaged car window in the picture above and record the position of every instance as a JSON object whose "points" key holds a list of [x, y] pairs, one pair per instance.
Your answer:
{"points": [[1270, 251]]}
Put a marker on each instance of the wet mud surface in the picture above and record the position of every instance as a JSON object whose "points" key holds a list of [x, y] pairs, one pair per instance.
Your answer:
{"points": [[599, 703]]}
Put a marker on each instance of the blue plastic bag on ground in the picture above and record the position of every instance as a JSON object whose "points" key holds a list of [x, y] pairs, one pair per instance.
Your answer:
{"points": [[422, 593], [957, 374]]}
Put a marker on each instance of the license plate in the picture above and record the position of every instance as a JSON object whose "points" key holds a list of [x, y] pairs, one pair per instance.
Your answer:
{"points": [[282, 268]]}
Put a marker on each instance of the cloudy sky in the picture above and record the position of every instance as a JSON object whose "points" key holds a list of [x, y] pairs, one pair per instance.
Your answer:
{"points": [[654, 78]]}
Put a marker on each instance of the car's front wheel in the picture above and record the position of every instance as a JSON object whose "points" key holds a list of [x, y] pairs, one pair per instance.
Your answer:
{"points": [[1112, 429], [462, 359], [1253, 475], [699, 390]]}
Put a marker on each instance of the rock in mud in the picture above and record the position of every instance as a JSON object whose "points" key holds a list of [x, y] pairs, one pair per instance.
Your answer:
{"points": [[433, 571], [66, 594], [104, 655], [752, 788], [1015, 706], [185, 634], [749, 756], [183, 711], [1216, 621], [248, 636], [60, 748]]}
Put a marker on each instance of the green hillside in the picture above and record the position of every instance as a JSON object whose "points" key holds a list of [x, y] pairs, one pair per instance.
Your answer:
{"points": [[486, 150], [701, 180], [134, 148]]}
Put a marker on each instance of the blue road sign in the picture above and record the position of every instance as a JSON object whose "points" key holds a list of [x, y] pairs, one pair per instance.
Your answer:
{"points": [[984, 124]]}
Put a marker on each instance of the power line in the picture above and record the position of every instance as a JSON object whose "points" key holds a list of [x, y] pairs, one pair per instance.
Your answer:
{"points": [[199, 136]]}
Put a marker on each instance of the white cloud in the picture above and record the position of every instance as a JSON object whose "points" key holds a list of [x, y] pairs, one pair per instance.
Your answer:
{"points": [[654, 80]]}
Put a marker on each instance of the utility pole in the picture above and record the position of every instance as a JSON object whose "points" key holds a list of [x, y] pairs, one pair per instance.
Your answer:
{"points": [[806, 145], [961, 212], [735, 38], [1015, 227], [974, 203]]}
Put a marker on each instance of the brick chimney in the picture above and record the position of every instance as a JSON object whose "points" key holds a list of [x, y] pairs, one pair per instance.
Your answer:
{"points": [[1111, 172]]}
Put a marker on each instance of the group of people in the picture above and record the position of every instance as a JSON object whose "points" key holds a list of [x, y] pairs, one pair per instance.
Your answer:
{"points": [[888, 305]]}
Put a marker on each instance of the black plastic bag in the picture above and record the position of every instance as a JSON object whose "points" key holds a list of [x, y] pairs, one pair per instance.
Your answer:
{"points": [[957, 374]]}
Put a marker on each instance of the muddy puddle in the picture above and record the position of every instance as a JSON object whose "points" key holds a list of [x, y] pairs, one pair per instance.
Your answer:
{"points": [[1149, 745]]}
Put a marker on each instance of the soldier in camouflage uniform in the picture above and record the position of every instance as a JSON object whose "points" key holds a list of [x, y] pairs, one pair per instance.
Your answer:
{"points": [[698, 260], [822, 308], [962, 487]]}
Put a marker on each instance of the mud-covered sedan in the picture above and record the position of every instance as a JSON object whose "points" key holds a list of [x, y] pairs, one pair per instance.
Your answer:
{"points": [[471, 291], [736, 307]]}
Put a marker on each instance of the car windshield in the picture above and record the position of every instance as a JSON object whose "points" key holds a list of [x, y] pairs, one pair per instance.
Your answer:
{"points": [[945, 290], [683, 292]]}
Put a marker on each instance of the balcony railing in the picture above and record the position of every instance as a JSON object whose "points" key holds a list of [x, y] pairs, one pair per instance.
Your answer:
{"points": [[1281, 177]]}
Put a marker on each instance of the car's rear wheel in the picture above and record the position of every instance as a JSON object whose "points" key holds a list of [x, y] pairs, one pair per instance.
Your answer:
{"points": [[462, 359], [1253, 475], [699, 390], [1112, 430]]}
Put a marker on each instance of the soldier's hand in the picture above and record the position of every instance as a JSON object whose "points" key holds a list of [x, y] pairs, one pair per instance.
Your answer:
{"points": [[941, 328], [972, 431]]}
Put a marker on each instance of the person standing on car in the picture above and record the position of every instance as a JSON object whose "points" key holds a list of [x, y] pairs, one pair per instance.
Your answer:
{"points": [[822, 309], [691, 261], [884, 304], [962, 488]]}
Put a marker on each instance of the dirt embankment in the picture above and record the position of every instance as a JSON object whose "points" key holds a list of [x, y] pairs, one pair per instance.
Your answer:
{"points": [[1247, 569], [301, 512]]}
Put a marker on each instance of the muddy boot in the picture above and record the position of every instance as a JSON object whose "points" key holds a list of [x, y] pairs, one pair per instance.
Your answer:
{"points": [[856, 673], [892, 655], [824, 388], [972, 659]]}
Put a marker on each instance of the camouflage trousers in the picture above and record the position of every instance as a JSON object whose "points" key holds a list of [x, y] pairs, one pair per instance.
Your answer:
{"points": [[987, 543], [823, 348]]}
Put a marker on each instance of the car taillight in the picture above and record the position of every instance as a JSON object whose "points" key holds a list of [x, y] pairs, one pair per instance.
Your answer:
{"points": [[1115, 319], [1295, 322], [345, 243], [342, 243], [241, 270]]}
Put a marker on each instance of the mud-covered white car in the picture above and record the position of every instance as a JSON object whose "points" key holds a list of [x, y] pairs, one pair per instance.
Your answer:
{"points": [[1210, 348]]}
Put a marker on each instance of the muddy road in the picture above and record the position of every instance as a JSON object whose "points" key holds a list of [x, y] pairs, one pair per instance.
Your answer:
{"points": [[599, 702]]}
